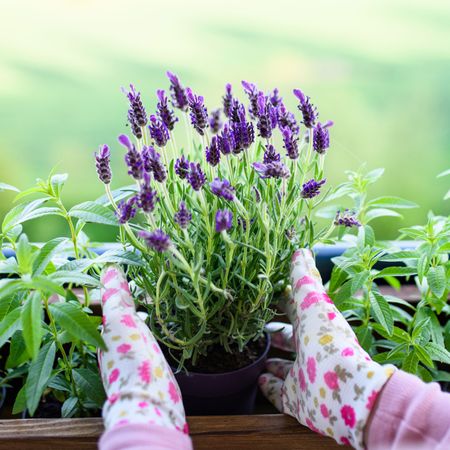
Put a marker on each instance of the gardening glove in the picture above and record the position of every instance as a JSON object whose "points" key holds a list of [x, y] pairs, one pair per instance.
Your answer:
{"points": [[333, 383], [138, 381]]}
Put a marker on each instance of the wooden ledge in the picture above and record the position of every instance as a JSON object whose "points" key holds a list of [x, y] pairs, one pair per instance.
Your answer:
{"points": [[266, 432]]}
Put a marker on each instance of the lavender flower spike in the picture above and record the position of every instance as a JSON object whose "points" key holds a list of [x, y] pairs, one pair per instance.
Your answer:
{"points": [[270, 155], [347, 219], [182, 167], [321, 137], [198, 112], [243, 134], [252, 93], [264, 120], [286, 119], [126, 210], [215, 122], [158, 131], [274, 98], [222, 188], [179, 99], [227, 100], [137, 117], [213, 152], [274, 169], [157, 240], [165, 114], [147, 196], [196, 177], [152, 163], [290, 143], [102, 164], [133, 158], [311, 188], [308, 110], [225, 141], [183, 216], [224, 220]]}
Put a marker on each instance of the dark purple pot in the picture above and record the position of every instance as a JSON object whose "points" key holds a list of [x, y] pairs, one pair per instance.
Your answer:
{"points": [[222, 393]]}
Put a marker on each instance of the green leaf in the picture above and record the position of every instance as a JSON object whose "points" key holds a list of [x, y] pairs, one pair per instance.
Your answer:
{"points": [[72, 319], [9, 266], [45, 255], [32, 323], [382, 311], [46, 285], [421, 329], [391, 202], [365, 338], [437, 280], [24, 254], [65, 276], [400, 256], [424, 374], [91, 385], [17, 351], [422, 265], [8, 187], [423, 356], [410, 363], [120, 257], [57, 182], [438, 353], [396, 272], [94, 212], [374, 175], [38, 375], [9, 325], [380, 212], [444, 173], [359, 280], [21, 401], [69, 407]]}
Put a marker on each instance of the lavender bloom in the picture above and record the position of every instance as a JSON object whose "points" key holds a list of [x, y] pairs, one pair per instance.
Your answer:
{"points": [[321, 137], [308, 110], [198, 111], [252, 93], [274, 98], [152, 163], [158, 131], [225, 141], [132, 158], [237, 109], [290, 143], [243, 134], [196, 177], [137, 116], [274, 169], [227, 100], [222, 188], [270, 155], [183, 216], [213, 152], [147, 196], [102, 164], [157, 240], [286, 119], [126, 210], [182, 167], [347, 219], [264, 123], [224, 219], [215, 122], [165, 114], [311, 188], [135, 128], [179, 99]]}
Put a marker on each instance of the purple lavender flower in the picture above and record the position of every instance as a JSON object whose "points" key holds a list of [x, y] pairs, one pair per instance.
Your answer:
{"points": [[311, 188], [214, 121], [264, 123], [198, 112], [270, 155], [125, 141], [286, 119], [158, 131], [236, 111], [243, 134], [274, 169], [132, 158], [308, 110], [152, 163], [274, 98], [347, 219], [222, 188], [196, 177], [290, 143], [137, 116], [126, 210], [179, 99], [157, 240], [321, 137], [183, 216], [227, 100], [102, 164], [252, 93], [212, 152], [135, 128], [224, 219], [182, 167], [165, 114], [225, 141], [147, 196]]}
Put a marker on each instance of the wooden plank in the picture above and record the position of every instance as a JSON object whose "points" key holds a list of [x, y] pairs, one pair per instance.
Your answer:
{"points": [[267, 432]]}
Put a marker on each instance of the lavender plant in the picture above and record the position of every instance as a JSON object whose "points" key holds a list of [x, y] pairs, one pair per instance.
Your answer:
{"points": [[216, 223]]}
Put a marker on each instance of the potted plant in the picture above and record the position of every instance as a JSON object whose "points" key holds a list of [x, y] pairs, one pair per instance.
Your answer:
{"points": [[216, 224]]}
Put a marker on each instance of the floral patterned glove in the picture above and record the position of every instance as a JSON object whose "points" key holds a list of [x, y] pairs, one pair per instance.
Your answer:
{"points": [[139, 384], [333, 383]]}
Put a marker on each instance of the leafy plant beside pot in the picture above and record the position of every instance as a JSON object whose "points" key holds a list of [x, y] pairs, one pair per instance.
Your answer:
{"points": [[216, 225]]}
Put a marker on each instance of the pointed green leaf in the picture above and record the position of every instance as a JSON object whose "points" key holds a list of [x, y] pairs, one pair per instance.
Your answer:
{"points": [[21, 401], [32, 323], [396, 272], [410, 363], [382, 311], [437, 280], [380, 212], [438, 353], [391, 202], [46, 254], [90, 384], [359, 280], [423, 355], [64, 276], [94, 212], [69, 407], [8, 187], [9, 325]]}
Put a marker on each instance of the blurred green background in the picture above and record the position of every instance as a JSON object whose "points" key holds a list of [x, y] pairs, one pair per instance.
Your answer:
{"points": [[379, 69]]}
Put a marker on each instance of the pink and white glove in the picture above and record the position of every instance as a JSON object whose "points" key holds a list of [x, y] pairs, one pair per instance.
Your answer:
{"points": [[138, 381], [333, 383]]}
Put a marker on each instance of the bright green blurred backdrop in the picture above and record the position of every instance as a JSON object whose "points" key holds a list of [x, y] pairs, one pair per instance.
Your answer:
{"points": [[379, 69]]}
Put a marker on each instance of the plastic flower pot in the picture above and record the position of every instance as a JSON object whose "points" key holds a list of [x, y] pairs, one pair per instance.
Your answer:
{"points": [[222, 393]]}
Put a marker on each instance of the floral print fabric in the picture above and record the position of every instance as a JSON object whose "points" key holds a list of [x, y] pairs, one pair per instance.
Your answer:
{"points": [[139, 384], [332, 385]]}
